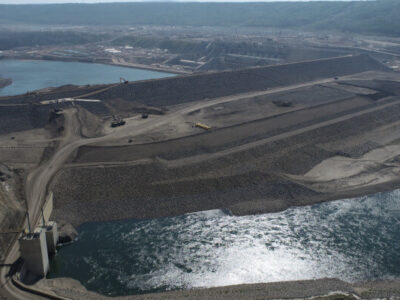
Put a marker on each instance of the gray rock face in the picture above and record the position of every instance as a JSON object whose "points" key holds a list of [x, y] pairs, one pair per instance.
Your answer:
{"points": [[67, 233]]}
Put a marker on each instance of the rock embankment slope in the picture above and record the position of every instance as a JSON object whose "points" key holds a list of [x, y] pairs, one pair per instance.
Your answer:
{"points": [[184, 89], [253, 166]]}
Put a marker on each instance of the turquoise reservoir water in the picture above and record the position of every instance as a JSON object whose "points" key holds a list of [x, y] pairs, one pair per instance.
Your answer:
{"points": [[355, 239], [29, 75]]}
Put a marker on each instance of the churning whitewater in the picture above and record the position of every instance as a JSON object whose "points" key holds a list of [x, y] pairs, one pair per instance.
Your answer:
{"points": [[354, 239]]}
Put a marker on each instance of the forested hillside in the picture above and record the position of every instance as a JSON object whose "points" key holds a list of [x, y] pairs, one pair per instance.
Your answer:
{"points": [[372, 17], [10, 40]]}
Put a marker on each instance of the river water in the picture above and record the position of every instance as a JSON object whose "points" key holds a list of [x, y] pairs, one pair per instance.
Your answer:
{"points": [[354, 239], [29, 75]]}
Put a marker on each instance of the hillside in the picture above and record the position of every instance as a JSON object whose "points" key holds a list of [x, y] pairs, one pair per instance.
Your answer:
{"points": [[371, 17]]}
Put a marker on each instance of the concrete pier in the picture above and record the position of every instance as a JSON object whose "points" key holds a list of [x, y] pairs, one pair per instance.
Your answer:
{"points": [[51, 236], [33, 249]]}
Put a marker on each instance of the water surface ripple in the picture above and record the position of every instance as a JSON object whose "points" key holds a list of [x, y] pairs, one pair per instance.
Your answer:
{"points": [[354, 239]]}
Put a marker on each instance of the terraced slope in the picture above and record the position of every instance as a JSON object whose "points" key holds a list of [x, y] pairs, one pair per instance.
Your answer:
{"points": [[249, 163]]}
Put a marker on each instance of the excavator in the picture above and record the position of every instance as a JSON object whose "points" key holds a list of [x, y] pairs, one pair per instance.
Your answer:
{"points": [[123, 80], [117, 121]]}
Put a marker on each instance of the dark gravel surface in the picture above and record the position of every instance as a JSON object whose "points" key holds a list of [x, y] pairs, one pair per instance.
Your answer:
{"points": [[183, 89], [25, 117], [143, 192]]}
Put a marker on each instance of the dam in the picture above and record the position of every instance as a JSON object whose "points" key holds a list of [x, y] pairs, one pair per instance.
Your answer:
{"points": [[259, 156]]}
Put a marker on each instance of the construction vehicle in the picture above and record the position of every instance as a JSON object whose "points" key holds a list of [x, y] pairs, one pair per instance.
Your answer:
{"points": [[117, 121], [282, 103], [202, 126], [123, 80]]}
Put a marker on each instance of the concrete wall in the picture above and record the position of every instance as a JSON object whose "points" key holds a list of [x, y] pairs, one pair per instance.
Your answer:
{"points": [[33, 249], [51, 236]]}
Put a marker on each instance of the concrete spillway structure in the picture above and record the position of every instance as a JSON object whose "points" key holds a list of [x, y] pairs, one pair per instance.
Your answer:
{"points": [[51, 236], [33, 247]]}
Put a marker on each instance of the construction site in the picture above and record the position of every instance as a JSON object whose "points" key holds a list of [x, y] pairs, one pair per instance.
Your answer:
{"points": [[250, 141]]}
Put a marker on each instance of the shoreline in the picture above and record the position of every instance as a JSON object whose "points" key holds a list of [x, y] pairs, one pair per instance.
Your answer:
{"points": [[359, 192], [94, 61], [322, 288]]}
